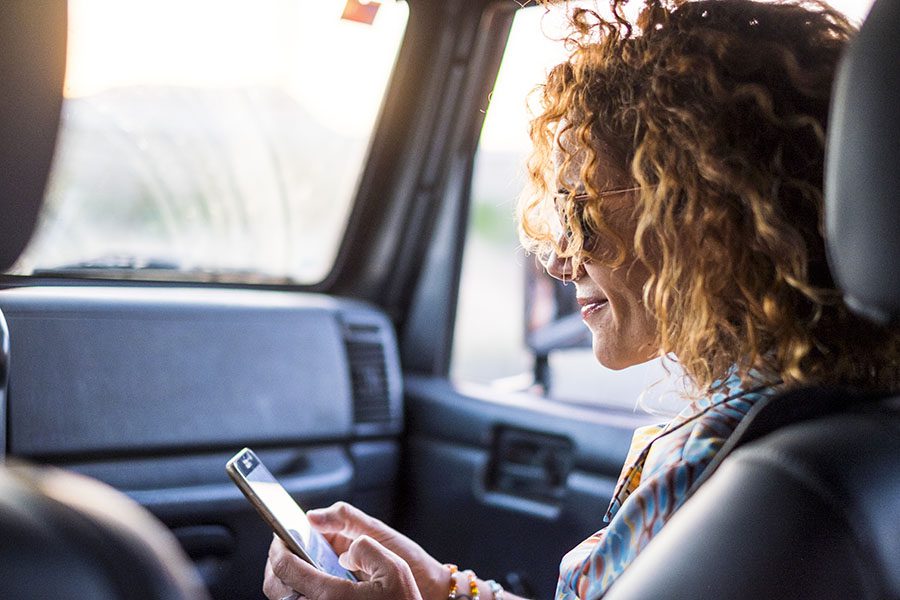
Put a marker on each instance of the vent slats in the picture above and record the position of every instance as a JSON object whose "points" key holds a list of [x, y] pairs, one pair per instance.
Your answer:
{"points": [[368, 376]]}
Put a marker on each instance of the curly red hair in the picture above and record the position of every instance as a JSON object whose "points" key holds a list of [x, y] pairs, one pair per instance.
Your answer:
{"points": [[716, 109]]}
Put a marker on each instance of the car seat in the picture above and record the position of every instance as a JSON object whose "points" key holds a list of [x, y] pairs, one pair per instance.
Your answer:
{"points": [[61, 535], [807, 502], [68, 536]]}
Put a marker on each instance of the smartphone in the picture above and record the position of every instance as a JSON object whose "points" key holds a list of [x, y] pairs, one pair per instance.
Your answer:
{"points": [[280, 511]]}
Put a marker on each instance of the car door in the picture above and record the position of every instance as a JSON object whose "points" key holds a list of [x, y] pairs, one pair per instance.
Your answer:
{"points": [[506, 484]]}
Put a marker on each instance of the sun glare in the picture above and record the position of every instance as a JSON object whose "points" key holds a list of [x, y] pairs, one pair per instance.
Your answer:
{"points": [[333, 67], [533, 48]]}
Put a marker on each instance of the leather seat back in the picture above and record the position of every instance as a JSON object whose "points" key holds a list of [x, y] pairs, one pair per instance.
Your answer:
{"points": [[67, 536], [32, 69], [808, 511]]}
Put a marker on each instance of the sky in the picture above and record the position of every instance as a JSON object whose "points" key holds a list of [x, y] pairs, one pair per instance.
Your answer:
{"points": [[223, 43], [532, 49]]}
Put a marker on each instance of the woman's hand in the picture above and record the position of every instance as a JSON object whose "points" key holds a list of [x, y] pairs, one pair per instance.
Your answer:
{"points": [[342, 524], [384, 575]]}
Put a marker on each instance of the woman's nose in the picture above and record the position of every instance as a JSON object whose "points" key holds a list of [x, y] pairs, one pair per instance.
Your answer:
{"points": [[561, 268]]}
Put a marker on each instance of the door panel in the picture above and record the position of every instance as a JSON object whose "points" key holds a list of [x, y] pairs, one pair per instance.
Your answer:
{"points": [[152, 390], [218, 528], [507, 484], [173, 487], [227, 541]]}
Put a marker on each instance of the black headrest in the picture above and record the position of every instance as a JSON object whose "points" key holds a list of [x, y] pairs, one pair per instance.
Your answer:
{"points": [[862, 185], [32, 71], [67, 536]]}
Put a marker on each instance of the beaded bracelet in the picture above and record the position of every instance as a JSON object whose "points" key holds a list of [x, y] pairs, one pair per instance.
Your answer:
{"points": [[473, 585], [454, 589]]}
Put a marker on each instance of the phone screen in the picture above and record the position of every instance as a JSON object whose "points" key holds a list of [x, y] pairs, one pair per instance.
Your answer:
{"points": [[284, 510]]}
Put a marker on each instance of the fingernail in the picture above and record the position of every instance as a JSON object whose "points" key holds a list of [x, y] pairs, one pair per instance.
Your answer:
{"points": [[344, 561]]}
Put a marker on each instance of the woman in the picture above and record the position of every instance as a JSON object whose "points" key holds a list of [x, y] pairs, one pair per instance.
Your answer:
{"points": [[676, 180]]}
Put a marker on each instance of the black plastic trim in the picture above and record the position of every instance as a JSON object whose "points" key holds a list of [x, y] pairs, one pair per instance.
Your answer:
{"points": [[207, 367], [428, 309], [470, 414], [4, 384]]}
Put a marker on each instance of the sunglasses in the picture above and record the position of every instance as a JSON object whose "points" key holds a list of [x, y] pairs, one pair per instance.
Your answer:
{"points": [[562, 196]]}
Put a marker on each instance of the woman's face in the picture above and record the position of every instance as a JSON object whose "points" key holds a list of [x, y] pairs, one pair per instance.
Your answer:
{"points": [[611, 298]]}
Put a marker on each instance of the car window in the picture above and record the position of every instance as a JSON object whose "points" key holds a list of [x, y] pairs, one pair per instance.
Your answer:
{"points": [[213, 139], [516, 327], [506, 301]]}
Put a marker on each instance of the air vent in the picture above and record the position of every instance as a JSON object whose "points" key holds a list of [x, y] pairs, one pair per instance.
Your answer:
{"points": [[368, 374]]}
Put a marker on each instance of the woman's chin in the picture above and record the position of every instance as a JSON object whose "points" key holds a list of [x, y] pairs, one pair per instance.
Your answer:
{"points": [[609, 357], [617, 358]]}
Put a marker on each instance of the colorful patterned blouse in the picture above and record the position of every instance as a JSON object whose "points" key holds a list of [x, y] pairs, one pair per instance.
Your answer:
{"points": [[662, 464]]}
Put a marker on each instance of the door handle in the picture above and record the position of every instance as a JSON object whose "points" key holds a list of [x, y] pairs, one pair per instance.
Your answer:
{"points": [[529, 464]]}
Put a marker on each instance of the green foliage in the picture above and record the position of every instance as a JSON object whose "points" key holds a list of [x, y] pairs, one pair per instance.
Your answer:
{"points": [[493, 222]]}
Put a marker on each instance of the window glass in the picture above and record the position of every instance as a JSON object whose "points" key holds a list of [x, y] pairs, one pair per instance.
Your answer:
{"points": [[504, 295], [510, 312], [213, 139], [855, 10]]}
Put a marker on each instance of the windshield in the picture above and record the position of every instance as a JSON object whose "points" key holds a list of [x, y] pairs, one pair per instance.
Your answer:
{"points": [[206, 139]]}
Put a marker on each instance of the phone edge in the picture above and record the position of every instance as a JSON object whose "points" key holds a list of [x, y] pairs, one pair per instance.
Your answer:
{"points": [[263, 510]]}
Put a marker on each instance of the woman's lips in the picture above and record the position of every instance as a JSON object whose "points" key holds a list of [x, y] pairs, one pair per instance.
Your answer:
{"points": [[591, 305]]}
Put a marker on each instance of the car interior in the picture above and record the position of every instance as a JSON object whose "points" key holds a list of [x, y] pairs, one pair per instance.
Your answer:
{"points": [[123, 392]]}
